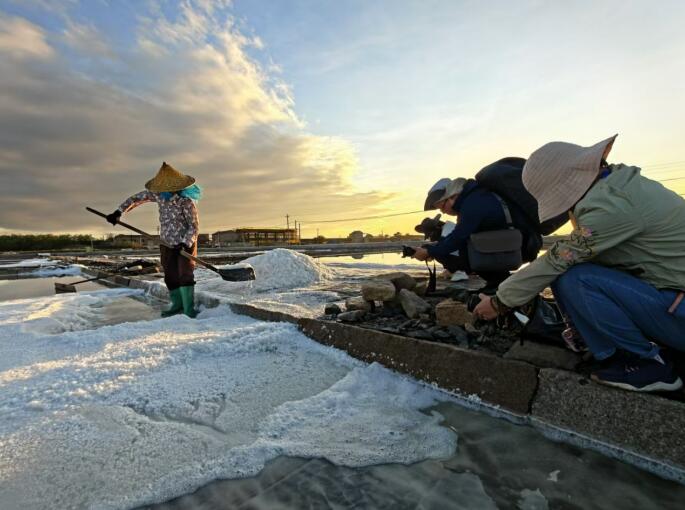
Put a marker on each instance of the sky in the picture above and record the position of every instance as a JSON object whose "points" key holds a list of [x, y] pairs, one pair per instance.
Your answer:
{"points": [[319, 110]]}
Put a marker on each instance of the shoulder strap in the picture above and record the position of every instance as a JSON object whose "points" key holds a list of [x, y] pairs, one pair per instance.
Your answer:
{"points": [[505, 208]]}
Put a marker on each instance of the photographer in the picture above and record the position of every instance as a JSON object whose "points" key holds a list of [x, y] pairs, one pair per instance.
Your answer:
{"points": [[479, 210], [620, 276]]}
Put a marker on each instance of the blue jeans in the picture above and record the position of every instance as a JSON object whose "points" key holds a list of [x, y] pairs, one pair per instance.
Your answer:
{"points": [[612, 309]]}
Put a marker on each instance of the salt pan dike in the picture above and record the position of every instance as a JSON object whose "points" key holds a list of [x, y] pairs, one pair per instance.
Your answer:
{"points": [[135, 413]]}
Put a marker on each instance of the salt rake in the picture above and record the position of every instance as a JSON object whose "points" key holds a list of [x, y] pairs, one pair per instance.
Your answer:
{"points": [[63, 288], [234, 274]]}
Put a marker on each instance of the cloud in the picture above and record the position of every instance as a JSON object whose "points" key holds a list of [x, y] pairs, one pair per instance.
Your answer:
{"points": [[188, 93], [20, 39]]}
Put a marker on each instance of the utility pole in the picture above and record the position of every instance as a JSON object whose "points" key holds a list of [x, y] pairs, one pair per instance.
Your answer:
{"points": [[287, 221], [299, 235]]}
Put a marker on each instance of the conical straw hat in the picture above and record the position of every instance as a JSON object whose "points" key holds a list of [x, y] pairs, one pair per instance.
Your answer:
{"points": [[169, 179], [558, 174]]}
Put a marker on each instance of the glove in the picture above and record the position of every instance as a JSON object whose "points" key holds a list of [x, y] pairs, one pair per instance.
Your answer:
{"points": [[113, 218]]}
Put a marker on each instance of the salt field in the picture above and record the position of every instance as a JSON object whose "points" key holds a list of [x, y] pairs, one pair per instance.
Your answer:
{"points": [[104, 405]]}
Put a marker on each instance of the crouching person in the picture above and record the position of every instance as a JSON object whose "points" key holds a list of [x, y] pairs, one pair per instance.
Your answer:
{"points": [[483, 216], [176, 196], [620, 276]]}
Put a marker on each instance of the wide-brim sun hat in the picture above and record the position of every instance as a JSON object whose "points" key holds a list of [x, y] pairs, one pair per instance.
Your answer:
{"points": [[436, 193], [169, 179], [558, 174]]}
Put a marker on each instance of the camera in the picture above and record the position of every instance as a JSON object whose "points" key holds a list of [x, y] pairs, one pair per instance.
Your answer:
{"points": [[431, 228], [472, 302], [408, 251]]}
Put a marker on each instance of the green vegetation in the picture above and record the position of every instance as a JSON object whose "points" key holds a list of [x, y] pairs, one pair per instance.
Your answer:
{"points": [[34, 242]]}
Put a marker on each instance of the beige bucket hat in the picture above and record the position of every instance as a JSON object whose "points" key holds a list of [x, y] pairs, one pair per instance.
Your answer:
{"points": [[169, 179], [558, 174]]}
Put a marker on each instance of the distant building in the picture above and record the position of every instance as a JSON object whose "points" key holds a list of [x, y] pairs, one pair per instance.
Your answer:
{"points": [[226, 238], [256, 236], [203, 240], [356, 237]]}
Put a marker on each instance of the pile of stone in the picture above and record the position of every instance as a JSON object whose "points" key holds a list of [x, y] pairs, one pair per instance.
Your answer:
{"points": [[397, 303]]}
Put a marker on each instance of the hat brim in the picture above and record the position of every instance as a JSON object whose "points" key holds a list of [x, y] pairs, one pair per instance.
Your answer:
{"points": [[433, 197], [160, 185], [551, 204]]}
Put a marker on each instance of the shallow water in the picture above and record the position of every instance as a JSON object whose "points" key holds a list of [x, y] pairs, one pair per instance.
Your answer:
{"points": [[38, 287], [497, 465]]}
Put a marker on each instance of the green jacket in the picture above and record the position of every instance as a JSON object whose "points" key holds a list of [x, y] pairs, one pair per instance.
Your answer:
{"points": [[625, 221]]}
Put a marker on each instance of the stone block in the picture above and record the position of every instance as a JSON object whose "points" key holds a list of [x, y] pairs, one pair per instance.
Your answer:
{"points": [[507, 383], [399, 280], [412, 304], [378, 291], [421, 288], [353, 316], [332, 309], [357, 303], [543, 356], [452, 313], [646, 424]]}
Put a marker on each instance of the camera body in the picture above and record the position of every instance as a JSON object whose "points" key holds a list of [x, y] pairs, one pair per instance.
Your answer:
{"points": [[472, 301], [408, 251], [431, 228]]}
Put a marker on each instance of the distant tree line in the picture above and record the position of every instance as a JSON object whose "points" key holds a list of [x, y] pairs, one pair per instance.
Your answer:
{"points": [[32, 242]]}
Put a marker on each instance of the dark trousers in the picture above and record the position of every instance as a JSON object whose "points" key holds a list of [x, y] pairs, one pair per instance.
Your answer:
{"points": [[178, 270], [453, 263]]}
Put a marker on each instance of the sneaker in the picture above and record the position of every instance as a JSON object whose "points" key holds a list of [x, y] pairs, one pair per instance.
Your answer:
{"points": [[639, 374], [459, 276]]}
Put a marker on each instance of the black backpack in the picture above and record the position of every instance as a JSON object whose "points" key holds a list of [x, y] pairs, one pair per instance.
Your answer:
{"points": [[504, 178]]}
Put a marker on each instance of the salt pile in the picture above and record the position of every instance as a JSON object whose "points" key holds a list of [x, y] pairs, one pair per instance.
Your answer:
{"points": [[285, 269], [135, 413]]}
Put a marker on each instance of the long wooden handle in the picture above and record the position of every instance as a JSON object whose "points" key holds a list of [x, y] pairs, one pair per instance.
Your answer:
{"points": [[145, 234]]}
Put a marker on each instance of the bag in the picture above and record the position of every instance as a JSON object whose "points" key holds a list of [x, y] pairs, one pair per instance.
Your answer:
{"points": [[546, 323], [504, 177], [495, 250]]}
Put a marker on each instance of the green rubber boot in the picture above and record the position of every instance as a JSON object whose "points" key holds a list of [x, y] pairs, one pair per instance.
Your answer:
{"points": [[176, 303], [188, 296]]}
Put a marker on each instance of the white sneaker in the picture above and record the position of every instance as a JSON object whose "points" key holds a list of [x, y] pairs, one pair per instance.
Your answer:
{"points": [[459, 276]]}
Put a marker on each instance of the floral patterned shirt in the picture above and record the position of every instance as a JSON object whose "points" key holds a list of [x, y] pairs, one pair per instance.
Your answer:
{"points": [[626, 222], [178, 217]]}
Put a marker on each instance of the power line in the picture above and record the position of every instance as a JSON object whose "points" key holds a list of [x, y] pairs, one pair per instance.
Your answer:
{"points": [[672, 179], [365, 217]]}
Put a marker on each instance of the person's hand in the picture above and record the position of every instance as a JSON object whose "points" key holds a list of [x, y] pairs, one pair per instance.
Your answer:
{"points": [[182, 246], [421, 254], [484, 309], [113, 218]]}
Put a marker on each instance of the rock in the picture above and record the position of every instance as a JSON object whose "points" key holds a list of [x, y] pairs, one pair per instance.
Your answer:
{"points": [[421, 288], [450, 312], [353, 316], [357, 303], [399, 280], [412, 304], [460, 295], [378, 291], [420, 335], [458, 334], [471, 329], [440, 333], [425, 318], [543, 356], [332, 309]]}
